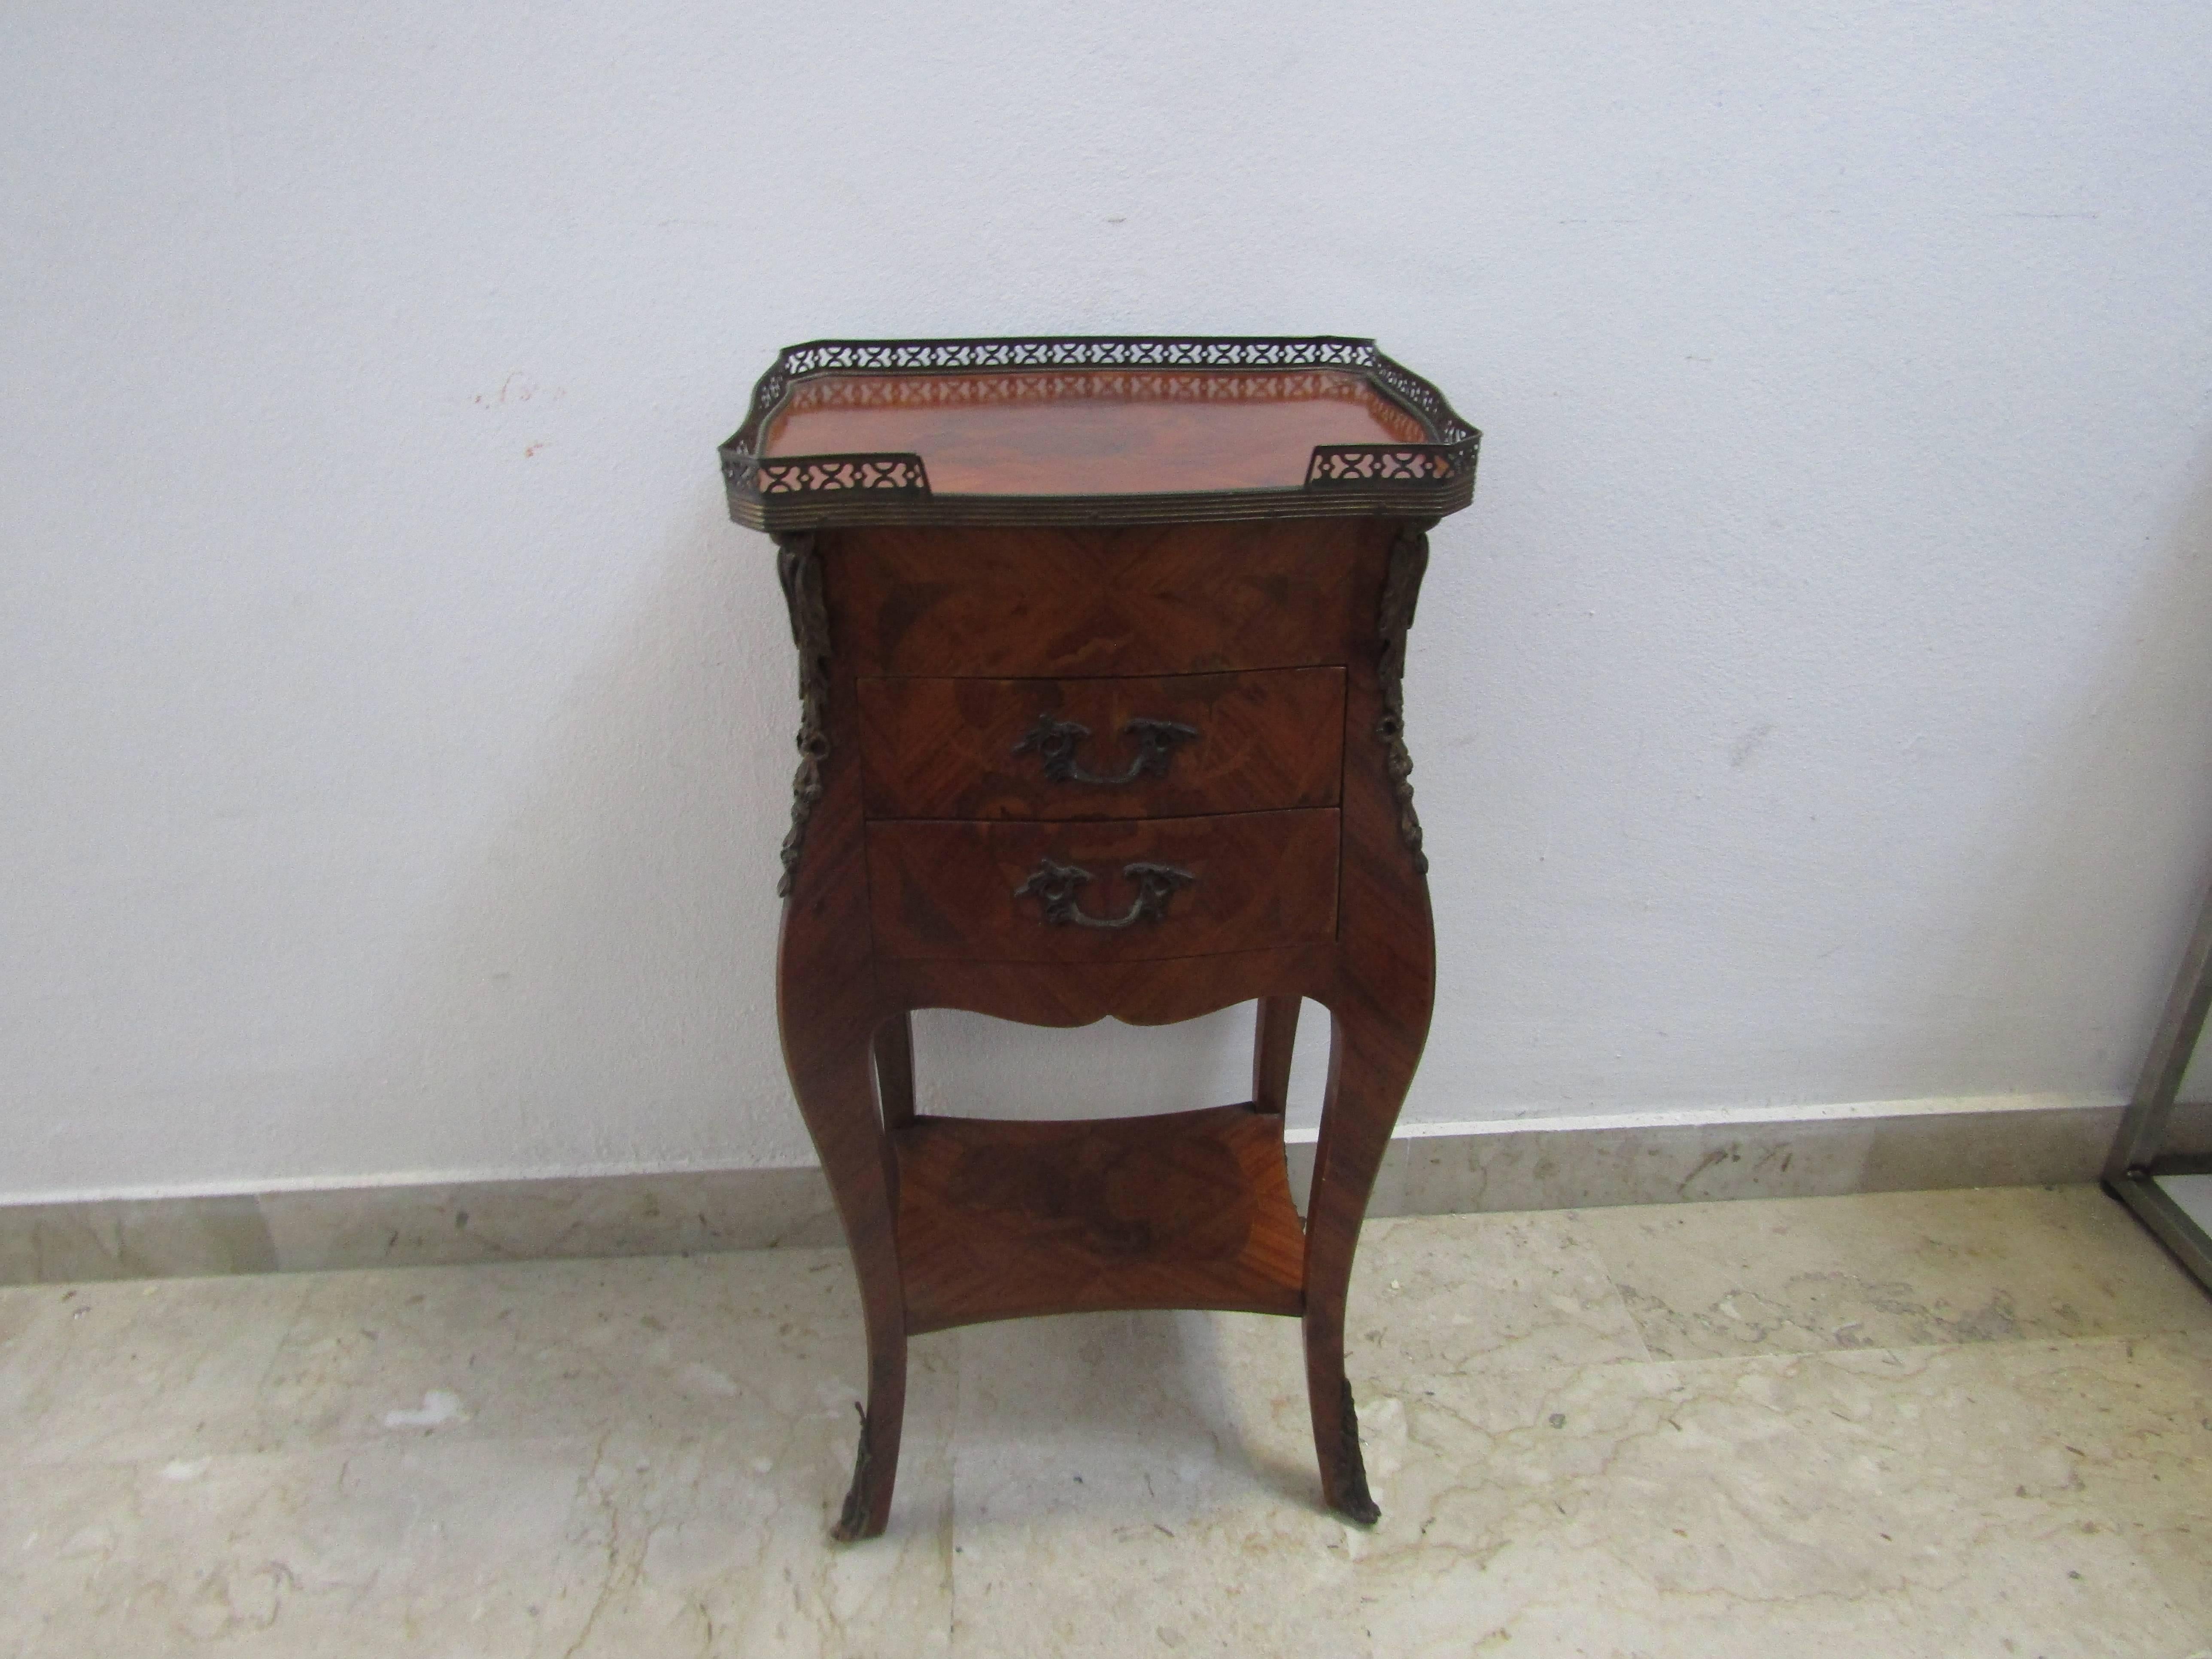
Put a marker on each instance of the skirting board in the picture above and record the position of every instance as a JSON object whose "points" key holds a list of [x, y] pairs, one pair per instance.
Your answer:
{"points": [[1545, 1164]]}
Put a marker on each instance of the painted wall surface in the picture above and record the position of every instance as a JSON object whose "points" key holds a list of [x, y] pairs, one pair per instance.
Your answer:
{"points": [[1814, 706]]}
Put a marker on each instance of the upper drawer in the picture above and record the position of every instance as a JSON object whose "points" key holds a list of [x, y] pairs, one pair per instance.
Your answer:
{"points": [[1130, 599], [1102, 748]]}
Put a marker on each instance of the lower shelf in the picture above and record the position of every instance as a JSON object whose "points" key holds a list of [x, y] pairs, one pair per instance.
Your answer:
{"points": [[1000, 1220]]}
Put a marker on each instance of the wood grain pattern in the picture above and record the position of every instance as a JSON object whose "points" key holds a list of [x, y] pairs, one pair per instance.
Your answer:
{"points": [[942, 748], [1161, 993], [949, 889], [997, 1220], [1146, 599], [855, 953], [1093, 432]]}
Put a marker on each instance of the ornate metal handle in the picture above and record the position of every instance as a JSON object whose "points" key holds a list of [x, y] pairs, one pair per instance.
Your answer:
{"points": [[1055, 740], [1058, 886]]}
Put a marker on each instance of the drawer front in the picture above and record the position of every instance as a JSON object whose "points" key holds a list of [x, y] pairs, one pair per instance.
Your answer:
{"points": [[1102, 748], [1157, 600], [1241, 881]]}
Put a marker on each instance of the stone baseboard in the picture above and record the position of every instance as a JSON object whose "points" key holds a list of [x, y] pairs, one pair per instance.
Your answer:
{"points": [[1533, 1165], [1566, 1164], [676, 1214]]}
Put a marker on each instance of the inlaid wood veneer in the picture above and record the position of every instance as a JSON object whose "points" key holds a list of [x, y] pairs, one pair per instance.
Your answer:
{"points": [[1100, 645]]}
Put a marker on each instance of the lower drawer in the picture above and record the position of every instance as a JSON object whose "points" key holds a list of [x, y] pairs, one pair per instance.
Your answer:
{"points": [[1102, 891]]}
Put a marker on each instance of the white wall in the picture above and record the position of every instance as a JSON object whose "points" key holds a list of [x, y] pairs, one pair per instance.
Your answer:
{"points": [[1814, 706]]}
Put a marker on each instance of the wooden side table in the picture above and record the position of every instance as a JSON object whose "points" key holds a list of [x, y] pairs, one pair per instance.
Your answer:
{"points": [[1101, 644]]}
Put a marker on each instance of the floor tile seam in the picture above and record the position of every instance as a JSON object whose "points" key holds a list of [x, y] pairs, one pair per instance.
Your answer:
{"points": [[491, 1258], [1996, 1345], [956, 1370], [2202, 1325], [1619, 1290], [1574, 1241], [1504, 1374], [342, 1450], [1570, 1245], [341, 1270], [156, 1283], [1620, 1298], [256, 1399]]}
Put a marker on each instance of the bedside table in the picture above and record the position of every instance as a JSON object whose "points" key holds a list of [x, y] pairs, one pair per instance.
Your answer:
{"points": [[1100, 650]]}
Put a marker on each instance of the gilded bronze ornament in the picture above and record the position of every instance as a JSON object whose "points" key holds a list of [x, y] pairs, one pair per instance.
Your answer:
{"points": [[1055, 741], [798, 569], [1401, 591], [1354, 1502], [1058, 887]]}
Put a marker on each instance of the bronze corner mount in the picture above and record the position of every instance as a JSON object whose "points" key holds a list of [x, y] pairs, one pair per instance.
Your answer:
{"points": [[798, 569], [1401, 592]]}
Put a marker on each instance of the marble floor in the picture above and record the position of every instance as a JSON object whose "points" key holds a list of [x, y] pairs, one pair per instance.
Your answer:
{"points": [[1944, 1423]]}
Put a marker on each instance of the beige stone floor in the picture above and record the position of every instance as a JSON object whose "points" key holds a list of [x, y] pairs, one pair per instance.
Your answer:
{"points": [[1941, 1424]]}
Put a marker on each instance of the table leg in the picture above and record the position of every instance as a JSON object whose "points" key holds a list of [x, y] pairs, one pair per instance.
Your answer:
{"points": [[894, 1051], [827, 1011], [1274, 1037], [1368, 1072], [837, 1097]]}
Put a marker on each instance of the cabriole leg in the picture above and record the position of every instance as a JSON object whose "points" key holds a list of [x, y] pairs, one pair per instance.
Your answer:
{"points": [[1273, 1040], [894, 1050], [1367, 1076], [839, 1101], [828, 1017]]}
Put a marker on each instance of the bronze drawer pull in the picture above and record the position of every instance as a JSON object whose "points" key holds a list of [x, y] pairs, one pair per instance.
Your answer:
{"points": [[1055, 740], [1058, 886]]}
